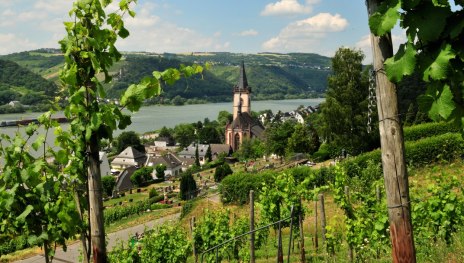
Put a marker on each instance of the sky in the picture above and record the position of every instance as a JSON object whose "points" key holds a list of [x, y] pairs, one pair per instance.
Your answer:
{"points": [[178, 26]]}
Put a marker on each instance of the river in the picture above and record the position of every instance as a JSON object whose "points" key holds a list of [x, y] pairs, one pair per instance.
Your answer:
{"points": [[151, 118]]}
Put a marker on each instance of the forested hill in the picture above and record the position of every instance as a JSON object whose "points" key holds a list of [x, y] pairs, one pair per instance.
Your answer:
{"points": [[21, 84], [271, 75]]}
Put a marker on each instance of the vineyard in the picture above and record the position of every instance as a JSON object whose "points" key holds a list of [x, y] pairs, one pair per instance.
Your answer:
{"points": [[351, 225]]}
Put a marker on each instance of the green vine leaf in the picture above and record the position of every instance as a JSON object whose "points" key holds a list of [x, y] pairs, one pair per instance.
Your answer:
{"points": [[438, 66], [419, 19], [383, 21], [402, 63], [24, 214]]}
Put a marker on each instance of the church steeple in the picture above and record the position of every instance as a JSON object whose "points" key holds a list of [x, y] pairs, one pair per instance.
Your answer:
{"points": [[242, 81], [242, 94]]}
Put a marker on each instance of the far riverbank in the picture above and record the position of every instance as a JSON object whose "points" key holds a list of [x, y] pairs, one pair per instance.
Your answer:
{"points": [[154, 117]]}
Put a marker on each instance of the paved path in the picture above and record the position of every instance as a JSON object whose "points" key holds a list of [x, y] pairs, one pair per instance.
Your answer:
{"points": [[73, 251]]}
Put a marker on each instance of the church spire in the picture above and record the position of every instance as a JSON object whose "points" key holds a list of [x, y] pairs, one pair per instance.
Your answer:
{"points": [[242, 81]]}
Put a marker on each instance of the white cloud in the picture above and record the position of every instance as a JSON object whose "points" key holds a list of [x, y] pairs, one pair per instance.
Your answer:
{"points": [[10, 43], [302, 35], [249, 32], [53, 6], [288, 7], [150, 33]]}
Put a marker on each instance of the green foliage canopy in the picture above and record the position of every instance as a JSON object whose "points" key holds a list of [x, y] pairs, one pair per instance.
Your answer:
{"points": [[433, 50]]}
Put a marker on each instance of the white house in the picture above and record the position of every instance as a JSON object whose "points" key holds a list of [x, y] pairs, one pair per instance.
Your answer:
{"points": [[172, 163], [128, 157]]}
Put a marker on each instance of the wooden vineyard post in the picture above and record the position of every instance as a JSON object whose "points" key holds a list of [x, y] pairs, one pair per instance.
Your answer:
{"points": [[302, 247], [323, 222], [192, 228], [95, 188], [350, 249], [252, 226], [316, 244], [392, 146]]}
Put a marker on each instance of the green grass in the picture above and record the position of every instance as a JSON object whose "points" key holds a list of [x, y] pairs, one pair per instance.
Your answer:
{"points": [[125, 199]]}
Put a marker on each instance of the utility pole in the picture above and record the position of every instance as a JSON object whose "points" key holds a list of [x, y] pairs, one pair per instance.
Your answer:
{"points": [[392, 144]]}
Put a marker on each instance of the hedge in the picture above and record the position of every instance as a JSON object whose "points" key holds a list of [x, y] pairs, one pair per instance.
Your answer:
{"points": [[444, 147], [236, 187], [416, 132], [114, 214], [10, 245]]}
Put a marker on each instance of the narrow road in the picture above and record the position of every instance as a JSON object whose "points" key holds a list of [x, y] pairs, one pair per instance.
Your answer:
{"points": [[73, 252]]}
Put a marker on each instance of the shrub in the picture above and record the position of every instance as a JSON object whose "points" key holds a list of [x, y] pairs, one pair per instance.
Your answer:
{"points": [[108, 183], [152, 193], [322, 154], [235, 188], [416, 132], [221, 172], [188, 186], [141, 176], [445, 147], [9, 245], [187, 208], [114, 214]]}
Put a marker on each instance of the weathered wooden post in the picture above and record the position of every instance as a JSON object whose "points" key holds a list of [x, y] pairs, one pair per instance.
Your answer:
{"points": [[192, 228], [392, 145], [323, 222], [252, 226], [302, 248], [316, 243], [348, 200]]}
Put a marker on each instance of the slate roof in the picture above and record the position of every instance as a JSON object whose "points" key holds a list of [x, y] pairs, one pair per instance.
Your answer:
{"points": [[220, 148], [169, 160], [129, 156]]}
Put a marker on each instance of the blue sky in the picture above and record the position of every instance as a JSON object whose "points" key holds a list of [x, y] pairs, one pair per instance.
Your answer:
{"points": [[245, 26]]}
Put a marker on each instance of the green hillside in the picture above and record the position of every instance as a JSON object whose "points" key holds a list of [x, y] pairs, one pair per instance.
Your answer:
{"points": [[271, 75], [20, 84]]}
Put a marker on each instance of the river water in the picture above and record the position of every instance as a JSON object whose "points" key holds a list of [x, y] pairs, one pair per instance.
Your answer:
{"points": [[152, 118]]}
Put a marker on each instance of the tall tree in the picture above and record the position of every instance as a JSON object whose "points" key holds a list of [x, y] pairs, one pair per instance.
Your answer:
{"points": [[188, 186], [184, 134], [129, 138], [276, 137], [343, 116]]}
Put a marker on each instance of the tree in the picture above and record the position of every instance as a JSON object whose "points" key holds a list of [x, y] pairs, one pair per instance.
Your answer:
{"points": [[188, 186], [277, 136], [160, 169], [301, 141], [197, 157], [250, 149], [184, 134], [221, 172], [129, 138], [209, 134], [343, 116], [141, 176], [166, 133], [224, 117], [209, 155], [108, 182]]}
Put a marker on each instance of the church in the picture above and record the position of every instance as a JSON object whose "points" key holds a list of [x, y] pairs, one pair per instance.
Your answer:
{"points": [[243, 126]]}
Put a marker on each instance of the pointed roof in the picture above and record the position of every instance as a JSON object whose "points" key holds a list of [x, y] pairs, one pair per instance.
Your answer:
{"points": [[242, 81], [131, 152]]}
